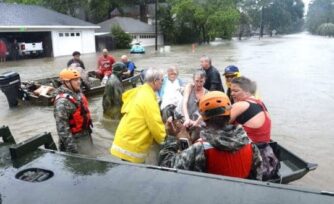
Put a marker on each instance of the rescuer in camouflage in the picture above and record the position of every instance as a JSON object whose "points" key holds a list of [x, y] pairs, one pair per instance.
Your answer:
{"points": [[112, 97], [217, 135], [72, 115]]}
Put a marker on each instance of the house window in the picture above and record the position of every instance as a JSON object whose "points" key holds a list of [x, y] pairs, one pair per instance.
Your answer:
{"points": [[61, 34], [77, 34], [72, 34], [67, 34]]}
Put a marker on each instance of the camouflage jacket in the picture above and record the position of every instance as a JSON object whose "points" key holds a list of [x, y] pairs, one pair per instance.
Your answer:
{"points": [[231, 138], [63, 110], [112, 97]]}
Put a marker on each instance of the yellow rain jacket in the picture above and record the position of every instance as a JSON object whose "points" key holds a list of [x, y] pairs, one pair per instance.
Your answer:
{"points": [[140, 125]]}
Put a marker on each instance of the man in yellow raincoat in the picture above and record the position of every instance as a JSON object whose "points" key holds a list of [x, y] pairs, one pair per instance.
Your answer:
{"points": [[141, 124]]}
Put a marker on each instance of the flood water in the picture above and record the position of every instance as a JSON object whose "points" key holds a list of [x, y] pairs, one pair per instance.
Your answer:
{"points": [[294, 75]]}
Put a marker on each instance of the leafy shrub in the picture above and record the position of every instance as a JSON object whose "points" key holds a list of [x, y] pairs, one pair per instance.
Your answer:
{"points": [[123, 39], [326, 29]]}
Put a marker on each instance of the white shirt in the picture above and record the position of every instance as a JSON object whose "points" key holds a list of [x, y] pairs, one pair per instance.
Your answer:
{"points": [[172, 94]]}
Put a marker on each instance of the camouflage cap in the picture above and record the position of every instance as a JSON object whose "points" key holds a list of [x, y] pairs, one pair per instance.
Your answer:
{"points": [[119, 67]]}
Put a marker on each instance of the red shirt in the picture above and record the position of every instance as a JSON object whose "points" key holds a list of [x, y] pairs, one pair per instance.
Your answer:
{"points": [[105, 65], [261, 134], [3, 48]]}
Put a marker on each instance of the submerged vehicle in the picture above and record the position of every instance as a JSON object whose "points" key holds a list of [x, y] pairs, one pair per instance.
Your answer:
{"points": [[137, 48], [42, 91], [29, 174], [30, 48]]}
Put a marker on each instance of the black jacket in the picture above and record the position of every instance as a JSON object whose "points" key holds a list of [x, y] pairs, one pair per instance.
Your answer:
{"points": [[213, 81], [78, 62]]}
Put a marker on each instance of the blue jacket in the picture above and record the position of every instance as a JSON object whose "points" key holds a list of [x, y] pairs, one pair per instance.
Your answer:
{"points": [[131, 67]]}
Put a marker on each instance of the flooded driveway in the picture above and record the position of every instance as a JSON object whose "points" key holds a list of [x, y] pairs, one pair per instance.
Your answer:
{"points": [[294, 75]]}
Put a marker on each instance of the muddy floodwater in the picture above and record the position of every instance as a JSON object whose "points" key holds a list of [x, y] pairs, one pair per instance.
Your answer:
{"points": [[294, 75]]}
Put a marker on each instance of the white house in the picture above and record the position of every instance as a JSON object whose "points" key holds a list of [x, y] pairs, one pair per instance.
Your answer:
{"points": [[140, 31], [60, 34]]}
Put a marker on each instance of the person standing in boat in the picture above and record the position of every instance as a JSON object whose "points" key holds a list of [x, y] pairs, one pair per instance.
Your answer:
{"points": [[222, 149], [112, 97], [253, 115], [141, 125], [76, 59], [129, 65], [104, 64], [213, 81], [72, 115]]}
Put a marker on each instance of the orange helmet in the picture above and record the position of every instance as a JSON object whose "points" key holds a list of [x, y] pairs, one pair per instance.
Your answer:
{"points": [[214, 103], [68, 74]]}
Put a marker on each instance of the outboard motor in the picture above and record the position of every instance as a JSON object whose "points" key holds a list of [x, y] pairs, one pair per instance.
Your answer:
{"points": [[10, 84]]}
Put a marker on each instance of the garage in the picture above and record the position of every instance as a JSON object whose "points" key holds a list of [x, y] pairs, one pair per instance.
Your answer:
{"points": [[28, 37], [66, 41], [41, 32]]}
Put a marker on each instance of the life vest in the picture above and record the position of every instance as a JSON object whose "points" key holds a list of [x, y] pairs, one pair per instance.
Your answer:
{"points": [[235, 164], [260, 134], [80, 120]]}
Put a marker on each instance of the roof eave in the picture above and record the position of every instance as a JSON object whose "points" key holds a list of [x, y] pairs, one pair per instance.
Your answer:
{"points": [[52, 27]]}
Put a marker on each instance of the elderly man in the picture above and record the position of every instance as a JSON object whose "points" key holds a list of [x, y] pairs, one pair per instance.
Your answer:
{"points": [[129, 65], [104, 64], [213, 81], [112, 97], [141, 123]]}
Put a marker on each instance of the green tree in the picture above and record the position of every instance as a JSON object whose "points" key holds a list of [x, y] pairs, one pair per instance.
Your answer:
{"points": [[123, 39], [93, 11], [203, 20], [244, 24], [326, 29], [284, 16], [69, 7], [99, 10], [320, 12], [167, 26], [34, 2]]}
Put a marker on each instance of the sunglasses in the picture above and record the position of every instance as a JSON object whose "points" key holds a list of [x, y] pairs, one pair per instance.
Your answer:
{"points": [[230, 76]]}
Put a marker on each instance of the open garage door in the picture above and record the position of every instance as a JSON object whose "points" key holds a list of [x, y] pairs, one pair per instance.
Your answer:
{"points": [[66, 42], [43, 38]]}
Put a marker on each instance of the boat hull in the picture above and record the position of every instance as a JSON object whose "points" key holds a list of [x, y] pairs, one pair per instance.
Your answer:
{"points": [[70, 178], [47, 100]]}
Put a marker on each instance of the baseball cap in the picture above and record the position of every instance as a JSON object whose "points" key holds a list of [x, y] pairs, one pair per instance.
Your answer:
{"points": [[231, 69]]}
